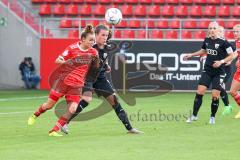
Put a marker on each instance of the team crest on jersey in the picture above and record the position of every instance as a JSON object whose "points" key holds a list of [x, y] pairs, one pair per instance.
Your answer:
{"points": [[216, 46]]}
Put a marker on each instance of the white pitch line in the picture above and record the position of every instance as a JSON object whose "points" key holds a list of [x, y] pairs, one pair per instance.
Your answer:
{"points": [[22, 98], [10, 113]]}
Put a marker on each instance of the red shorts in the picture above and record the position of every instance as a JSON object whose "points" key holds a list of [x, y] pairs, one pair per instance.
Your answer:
{"points": [[71, 93], [236, 76]]}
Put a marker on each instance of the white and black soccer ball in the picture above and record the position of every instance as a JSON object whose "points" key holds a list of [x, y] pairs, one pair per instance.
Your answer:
{"points": [[113, 16]]}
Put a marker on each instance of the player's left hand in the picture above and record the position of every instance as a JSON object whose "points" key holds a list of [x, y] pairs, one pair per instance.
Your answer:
{"points": [[108, 69], [217, 64]]}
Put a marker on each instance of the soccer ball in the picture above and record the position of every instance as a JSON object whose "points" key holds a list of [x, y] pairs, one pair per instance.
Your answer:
{"points": [[113, 16]]}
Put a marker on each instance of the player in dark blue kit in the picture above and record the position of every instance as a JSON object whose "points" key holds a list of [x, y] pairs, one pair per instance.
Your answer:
{"points": [[228, 70], [101, 85], [219, 52]]}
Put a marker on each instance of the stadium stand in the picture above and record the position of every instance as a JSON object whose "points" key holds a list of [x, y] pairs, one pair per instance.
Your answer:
{"points": [[142, 18]]}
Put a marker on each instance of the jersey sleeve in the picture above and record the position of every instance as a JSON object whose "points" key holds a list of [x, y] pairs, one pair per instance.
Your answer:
{"points": [[65, 55], [204, 46], [228, 47]]}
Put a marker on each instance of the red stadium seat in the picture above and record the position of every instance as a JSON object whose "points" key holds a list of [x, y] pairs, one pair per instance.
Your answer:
{"points": [[86, 10], [186, 34], [77, 1], [122, 24], [190, 24], [171, 34], [38, 1], [174, 24], [141, 34], [92, 22], [113, 6], [59, 9], [154, 11], [221, 23], [99, 10], [73, 34], [145, 1], [172, 1], [224, 11], [50, 1], [196, 11], [117, 34], [72, 10], [128, 34], [182, 11], [214, 2], [158, 2], [230, 24], [162, 24], [203, 24], [140, 11], [186, 1], [78, 23], [148, 24], [202, 2], [105, 1], [45, 9], [134, 24], [156, 34], [127, 10], [65, 23], [91, 1], [229, 35], [238, 1], [168, 11], [131, 1], [64, 1], [236, 11], [209, 11], [118, 1], [199, 35], [228, 2]]}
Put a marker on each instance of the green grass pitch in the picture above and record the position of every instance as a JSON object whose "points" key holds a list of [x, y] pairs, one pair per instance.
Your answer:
{"points": [[105, 138]]}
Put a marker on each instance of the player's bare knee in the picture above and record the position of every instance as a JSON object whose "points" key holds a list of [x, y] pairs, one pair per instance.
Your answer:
{"points": [[233, 92], [72, 108], [112, 99], [87, 98]]}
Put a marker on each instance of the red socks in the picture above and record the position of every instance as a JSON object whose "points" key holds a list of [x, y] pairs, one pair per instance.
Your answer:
{"points": [[237, 98], [39, 111], [60, 123]]}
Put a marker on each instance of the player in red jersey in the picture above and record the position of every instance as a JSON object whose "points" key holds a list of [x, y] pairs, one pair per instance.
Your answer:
{"points": [[235, 86], [68, 79]]}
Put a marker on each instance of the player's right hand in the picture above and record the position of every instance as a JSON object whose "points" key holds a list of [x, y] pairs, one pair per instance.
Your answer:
{"points": [[187, 56], [202, 58]]}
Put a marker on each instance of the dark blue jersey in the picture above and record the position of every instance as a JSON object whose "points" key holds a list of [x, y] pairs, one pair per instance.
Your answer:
{"points": [[217, 49], [102, 55]]}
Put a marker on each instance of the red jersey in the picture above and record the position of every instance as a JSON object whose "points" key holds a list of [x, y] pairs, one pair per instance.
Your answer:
{"points": [[78, 63], [238, 51]]}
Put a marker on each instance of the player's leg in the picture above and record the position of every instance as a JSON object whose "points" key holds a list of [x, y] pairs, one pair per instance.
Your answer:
{"points": [[86, 97], [120, 112], [217, 86], [197, 103], [104, 88], [63, 120], [235, 87], [214, 105], [224, 96], [52, 99], [204, 83]]}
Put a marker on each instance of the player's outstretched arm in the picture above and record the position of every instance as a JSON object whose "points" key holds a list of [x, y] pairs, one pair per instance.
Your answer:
{"points": [[201, 52]]}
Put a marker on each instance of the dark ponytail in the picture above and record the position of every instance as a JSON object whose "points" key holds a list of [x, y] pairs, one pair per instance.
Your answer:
{"points": [[87, 30]]}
